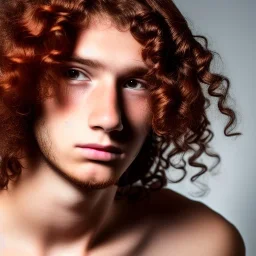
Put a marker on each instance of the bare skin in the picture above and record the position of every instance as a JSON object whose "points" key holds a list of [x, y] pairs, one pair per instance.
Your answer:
{"points": [[63, 203], [164, 224], [169, 224]]}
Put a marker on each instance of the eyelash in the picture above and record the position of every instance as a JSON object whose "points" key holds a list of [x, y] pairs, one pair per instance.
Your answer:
{"points": [[76, 70], [79, 72]]}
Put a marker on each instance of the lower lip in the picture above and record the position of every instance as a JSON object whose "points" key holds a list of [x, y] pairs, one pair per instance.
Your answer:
{"points": [[95, 154]]}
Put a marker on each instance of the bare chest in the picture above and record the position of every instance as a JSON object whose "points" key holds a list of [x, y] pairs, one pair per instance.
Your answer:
{"points": [[149, 241], [138, 230]]}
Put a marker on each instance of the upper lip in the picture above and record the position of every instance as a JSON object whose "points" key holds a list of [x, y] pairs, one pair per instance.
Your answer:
{"points": [[108, 148]]}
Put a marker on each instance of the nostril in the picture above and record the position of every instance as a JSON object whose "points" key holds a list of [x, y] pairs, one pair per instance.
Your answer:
{"points": [[107, 122]]}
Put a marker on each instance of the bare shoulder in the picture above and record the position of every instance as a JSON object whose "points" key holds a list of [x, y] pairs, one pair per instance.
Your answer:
{"points": [[191, 227]]}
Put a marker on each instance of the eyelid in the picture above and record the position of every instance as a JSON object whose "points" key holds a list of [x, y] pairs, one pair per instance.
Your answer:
{"points": [[125, 79], [143, 82], [84, 72]]}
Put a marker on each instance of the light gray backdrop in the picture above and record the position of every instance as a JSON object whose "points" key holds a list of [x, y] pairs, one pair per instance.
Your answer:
{"points": [[229, 26]]}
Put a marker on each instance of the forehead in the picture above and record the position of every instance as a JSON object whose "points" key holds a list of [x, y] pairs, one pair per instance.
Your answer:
{"points": [[103, 42]]}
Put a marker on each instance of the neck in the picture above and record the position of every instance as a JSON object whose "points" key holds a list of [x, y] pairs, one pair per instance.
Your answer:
{"points": [[47, 208]]}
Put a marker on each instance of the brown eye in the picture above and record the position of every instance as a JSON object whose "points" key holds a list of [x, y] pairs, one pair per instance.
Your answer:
{"points": [[133, 83], [75, 74]]}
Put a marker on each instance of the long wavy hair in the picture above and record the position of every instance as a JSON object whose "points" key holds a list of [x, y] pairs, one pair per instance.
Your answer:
{"points": [[37, 35]]}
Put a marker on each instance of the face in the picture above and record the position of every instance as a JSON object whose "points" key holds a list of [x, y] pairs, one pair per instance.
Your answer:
{"points": [[102, 100]]}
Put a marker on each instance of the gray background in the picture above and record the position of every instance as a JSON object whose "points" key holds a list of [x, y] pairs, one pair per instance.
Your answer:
{"points": [[229, 26]]}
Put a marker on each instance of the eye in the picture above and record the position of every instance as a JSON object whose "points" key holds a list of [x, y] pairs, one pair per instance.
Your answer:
{"points": [[133, 83], [75, 74]]}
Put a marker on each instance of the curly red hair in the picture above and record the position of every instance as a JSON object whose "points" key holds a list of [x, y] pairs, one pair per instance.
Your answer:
{"points": [[37, 35]]}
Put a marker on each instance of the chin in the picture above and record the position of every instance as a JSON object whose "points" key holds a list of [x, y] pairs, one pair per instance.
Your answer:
{"points": [[92, 178], [90, 174]]}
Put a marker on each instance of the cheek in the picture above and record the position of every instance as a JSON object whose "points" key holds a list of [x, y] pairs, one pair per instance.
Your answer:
{"points": [[56, 111], [51, 122], [139, 114]]}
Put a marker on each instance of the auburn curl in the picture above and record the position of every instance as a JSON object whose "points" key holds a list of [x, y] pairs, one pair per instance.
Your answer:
{"points": [[37, 35]]}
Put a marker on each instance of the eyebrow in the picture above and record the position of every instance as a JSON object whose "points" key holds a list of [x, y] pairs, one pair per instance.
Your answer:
{"points": [[87, 62], [131, 70]]}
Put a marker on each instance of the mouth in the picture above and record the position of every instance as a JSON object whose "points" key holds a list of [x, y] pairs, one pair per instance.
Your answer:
{"points": [[100, 152]]}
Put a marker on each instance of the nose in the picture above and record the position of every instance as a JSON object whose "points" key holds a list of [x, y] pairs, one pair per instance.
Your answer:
{"points": [[104, 109]]}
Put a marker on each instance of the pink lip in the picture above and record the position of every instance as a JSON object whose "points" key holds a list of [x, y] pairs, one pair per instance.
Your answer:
{"points": [[107, 148], [99, 152]]}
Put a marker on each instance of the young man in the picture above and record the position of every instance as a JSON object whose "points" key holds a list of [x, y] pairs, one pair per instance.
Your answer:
{"points": [[84, 138]]}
